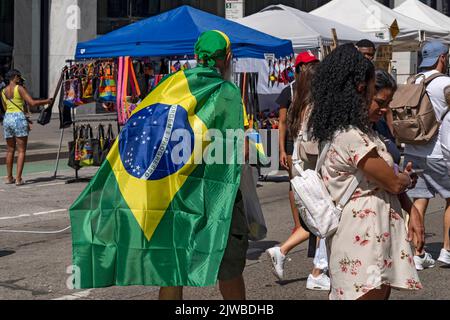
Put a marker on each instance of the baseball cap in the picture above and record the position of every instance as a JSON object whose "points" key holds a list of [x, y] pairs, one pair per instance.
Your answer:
{"points": [[11, 74], [431, 52], [305, 57]]}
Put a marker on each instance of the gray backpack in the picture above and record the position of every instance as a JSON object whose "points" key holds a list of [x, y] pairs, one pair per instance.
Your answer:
{"points": [[415, 120]]}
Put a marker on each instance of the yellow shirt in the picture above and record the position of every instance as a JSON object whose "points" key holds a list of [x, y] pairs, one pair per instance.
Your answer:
{"points": [[17, 104]]}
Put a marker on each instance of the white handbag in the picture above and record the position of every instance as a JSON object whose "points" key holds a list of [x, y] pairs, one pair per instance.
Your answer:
{"points": [[313, 200]]}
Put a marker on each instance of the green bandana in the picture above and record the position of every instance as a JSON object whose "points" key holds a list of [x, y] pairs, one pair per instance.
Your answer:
{"points": [[212, 45]]}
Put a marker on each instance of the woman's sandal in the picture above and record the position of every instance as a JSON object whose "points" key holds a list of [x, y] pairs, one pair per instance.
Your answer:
{"points": [[20, 183], [12, 181]]}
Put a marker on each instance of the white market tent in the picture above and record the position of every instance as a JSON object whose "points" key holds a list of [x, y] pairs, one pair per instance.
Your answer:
{"points": [[419, 11], [376, 19], [306, 31]]}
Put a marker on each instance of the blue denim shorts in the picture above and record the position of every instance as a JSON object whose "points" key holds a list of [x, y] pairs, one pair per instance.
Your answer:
{"points": [[15, 125]]}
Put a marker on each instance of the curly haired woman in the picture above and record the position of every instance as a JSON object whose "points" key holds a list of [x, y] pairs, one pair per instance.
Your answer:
{"points": [[370, 251]]}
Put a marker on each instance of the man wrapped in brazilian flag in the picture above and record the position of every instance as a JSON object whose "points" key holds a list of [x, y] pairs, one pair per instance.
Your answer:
{"points": [[159, 212]]}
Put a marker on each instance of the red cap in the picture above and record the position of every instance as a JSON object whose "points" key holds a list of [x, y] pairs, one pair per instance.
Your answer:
{"points": [[305, 57]]}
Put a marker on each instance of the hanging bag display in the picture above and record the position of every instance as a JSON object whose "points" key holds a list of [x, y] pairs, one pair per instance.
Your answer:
{"points": [[46, 114], [107, 88], [97, 148], [108, 143], [74, 150], [88, 84], [120, 113], [69, 93], [87, 146]]}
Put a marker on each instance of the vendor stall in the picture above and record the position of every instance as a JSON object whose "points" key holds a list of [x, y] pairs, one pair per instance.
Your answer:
{"points": [[306, 31], [373, 18], [141, 54], [419, 11]]}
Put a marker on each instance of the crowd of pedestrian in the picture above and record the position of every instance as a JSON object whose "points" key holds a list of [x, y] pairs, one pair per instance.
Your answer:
{"points": [[345, 102], [335, 118]]}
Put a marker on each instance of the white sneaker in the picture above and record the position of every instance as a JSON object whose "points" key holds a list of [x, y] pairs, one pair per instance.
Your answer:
{"points": [[321, 283], [425, 262], [445, 256], [277, 259]]}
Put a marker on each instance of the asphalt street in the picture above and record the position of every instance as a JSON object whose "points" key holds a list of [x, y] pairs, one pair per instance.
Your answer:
{"points": [[37, 266]]}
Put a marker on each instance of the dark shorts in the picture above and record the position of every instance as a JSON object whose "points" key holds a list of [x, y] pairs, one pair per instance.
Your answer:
{"points": [[289, 146], [235, 256]]}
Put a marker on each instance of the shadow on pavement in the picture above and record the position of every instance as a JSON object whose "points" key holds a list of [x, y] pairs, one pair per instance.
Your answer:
{"points": [[276, 179], [6, 253], [47, 179], [256, 249], [286, 282]]}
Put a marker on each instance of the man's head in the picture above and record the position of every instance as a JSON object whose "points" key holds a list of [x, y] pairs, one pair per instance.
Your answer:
{"points": [[213, 49], [435, 56], [303, 60], [367, 48]]}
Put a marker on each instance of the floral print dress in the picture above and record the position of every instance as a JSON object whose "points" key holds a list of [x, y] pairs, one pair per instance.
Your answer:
{"points": [[369, 248]]}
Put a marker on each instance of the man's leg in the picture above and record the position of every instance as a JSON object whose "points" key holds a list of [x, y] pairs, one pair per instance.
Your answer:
{"points": [[447, 226], [171, 293], [233, 289], [231, 281]]}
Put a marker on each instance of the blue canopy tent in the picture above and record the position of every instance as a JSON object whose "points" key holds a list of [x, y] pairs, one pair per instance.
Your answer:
{"points": [[175, 32], [5, 50]]}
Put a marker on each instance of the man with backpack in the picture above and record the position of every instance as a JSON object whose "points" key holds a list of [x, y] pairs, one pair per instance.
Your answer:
{"points": [[419, 109]]}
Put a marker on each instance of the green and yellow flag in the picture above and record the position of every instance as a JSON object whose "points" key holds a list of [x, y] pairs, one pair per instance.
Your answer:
{"points": [[149, 219]]}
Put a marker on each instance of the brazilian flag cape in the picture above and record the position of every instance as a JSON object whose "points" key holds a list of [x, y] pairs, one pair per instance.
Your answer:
{"points": [[146, 219]]}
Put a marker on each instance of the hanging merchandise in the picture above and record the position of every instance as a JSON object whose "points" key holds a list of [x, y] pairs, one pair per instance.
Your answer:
{"points": [[127, 100], [88, 84], [120, 114], [176, 67], [107, 90], [291, 70], [139, 67], [107, 144], [281, 78], [273, 76], [65, 114], [86, 148], [74, 150], [186, 66], [72, 91]]}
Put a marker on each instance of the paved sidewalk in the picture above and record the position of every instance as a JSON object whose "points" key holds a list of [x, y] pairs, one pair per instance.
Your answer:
{"points": [[43, 143]]}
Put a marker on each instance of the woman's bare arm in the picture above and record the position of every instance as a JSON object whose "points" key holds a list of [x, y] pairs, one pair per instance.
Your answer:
{"points": [[30, 101], [380, 172]]}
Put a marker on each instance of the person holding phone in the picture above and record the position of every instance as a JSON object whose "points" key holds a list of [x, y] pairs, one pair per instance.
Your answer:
{"points": [[17, 124]]}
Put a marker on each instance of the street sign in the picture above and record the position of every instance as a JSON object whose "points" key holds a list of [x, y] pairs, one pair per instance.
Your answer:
{"points": [[234, 9]]}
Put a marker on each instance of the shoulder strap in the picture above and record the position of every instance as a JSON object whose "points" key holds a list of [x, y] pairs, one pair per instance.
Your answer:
{"points": [[323, 156], [350, 190], [433, 77], [5, 97]]}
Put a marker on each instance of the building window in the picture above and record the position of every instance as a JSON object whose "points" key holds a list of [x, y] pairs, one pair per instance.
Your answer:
{"points": [[7, 21], [114, 14]]}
